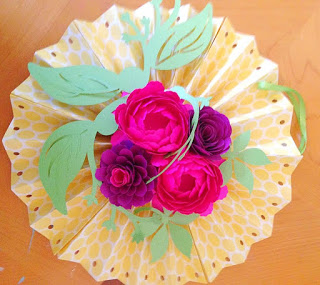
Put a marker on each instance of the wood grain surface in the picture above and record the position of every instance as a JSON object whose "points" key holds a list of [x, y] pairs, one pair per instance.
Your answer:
{"points": [[287, 32]]}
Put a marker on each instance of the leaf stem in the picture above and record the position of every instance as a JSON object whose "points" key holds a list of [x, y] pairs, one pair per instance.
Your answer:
{"points": [[91, 198], [173, 16]]}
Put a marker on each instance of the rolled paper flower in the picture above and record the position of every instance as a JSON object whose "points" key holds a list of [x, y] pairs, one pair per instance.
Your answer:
{"points": [[124, 171], [213, 134], [189, 186], [154, 119]]}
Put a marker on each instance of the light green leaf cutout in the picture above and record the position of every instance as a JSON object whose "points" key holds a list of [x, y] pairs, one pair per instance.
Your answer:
{"points": [[105, 122], [180, 219], [226, 171], [159, 243], [243, 175], [241, 142], [254, 156], [137, 235], [188, 41], [62, 157], [181, 239], [76, 85], [149, 227]]}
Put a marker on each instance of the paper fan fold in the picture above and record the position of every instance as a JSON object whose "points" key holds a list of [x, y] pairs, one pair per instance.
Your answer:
{"points": [[228, 72]]}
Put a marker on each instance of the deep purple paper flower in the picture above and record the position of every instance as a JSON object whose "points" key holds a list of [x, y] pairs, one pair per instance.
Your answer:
{"points": [[124, 171], [212, 136]]}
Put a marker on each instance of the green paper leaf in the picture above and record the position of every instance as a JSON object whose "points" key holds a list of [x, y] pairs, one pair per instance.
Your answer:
{"points": [[110, 225], [187, 42], [105, 122], [62, 157], [254, 156], [243, 175], [181, 239], [91, 200], [241, 141], [181, 219], [159, 244], [76, 85], [167, 212], [149, 227], [137, 235], [226, 170]]}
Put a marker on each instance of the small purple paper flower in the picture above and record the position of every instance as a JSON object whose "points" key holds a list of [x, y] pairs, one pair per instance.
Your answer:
{"points": [[212, 136], [124, 171]]}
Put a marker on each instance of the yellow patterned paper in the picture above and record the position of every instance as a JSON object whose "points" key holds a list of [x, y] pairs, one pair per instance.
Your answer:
{"points": [[228, 72]]}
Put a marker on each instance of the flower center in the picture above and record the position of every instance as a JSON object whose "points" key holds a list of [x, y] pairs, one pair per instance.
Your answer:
{"points": [[155, 121], [187, 183], [119, 177]]}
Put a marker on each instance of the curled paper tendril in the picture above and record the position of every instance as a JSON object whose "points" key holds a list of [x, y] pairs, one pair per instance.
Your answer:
{"points": [[298, 105]]}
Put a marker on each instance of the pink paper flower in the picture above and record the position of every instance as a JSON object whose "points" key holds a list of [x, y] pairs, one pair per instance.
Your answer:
{"points": [[189, 186], [154, 119]]}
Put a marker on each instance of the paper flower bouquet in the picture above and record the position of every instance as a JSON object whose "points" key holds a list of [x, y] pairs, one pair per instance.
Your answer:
{"points": [[153, 146]]}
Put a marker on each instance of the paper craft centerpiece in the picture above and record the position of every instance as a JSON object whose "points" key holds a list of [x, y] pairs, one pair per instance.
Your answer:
{"points": [[147, 148]]}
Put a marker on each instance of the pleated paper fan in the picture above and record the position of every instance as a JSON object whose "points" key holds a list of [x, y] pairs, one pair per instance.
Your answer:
{"points": [[228, 71]]}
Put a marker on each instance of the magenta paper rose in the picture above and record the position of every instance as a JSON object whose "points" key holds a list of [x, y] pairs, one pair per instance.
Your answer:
{"points": [[124, 172], [154, 119], [189, 186]]}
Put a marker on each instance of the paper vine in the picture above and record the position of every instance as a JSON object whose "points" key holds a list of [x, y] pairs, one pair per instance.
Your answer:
{"points": [[237, 156], [159, 225]]}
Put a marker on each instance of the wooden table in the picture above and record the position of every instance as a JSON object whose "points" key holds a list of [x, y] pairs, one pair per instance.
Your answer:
{"points": [[288, 32]]}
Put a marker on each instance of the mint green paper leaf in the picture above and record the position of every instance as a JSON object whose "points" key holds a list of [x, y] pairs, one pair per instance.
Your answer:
{"points": [[181, 219], [110, 225], [105, 122], [159, 244], [181, 239], [167, 212], [149, 227], [243, 175], [188, 41], [76, 85], [137, 235], [226, 170], [241, 141], [254, 156], [62, 157]]}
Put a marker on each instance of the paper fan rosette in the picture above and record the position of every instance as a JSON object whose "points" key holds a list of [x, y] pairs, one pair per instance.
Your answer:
{"points": [[121, 144]]}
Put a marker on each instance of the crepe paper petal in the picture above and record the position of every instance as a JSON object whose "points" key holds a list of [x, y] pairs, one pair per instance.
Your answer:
{"points": [[159, 244], [187, 42], [298, 105], [241, 142], [62, 157], [180, 153], [226, 170], [243, 175], [181, 219], [76, 85], [254, 156], [181, 239]]}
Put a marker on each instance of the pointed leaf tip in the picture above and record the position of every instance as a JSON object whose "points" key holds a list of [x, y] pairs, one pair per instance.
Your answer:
{"points": [[254, 156], [243, 175], [159, 244]]}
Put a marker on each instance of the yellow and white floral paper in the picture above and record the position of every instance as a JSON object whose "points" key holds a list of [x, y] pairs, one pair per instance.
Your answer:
{"points": [[228, 72]]}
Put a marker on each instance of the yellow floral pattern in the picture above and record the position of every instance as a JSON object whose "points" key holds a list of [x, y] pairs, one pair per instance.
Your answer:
{"points": [[228, 72]]}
